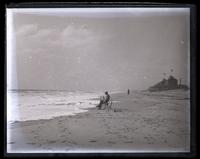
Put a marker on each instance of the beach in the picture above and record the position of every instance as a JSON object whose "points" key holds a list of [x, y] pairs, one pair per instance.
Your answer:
{"points": [[140, 122]]}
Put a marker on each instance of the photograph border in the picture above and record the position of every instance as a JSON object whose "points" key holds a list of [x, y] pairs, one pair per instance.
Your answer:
{"points": [[193, 47]]}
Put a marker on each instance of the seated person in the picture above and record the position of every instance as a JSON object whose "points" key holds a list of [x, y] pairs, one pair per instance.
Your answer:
{"points": [[107, 98], [104, 100]]}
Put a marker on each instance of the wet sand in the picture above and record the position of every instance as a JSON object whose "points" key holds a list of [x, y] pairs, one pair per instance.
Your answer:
{"points": [[139, 122]]}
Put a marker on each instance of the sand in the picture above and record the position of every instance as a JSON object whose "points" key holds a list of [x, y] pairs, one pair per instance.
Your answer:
{"points": [[139, 122]]}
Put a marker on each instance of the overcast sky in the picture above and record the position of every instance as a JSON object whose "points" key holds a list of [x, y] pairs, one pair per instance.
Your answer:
{"points": [[96, 49]]}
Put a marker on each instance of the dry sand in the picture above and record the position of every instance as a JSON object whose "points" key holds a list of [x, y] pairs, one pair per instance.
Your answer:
{"points": [[139, 122]]}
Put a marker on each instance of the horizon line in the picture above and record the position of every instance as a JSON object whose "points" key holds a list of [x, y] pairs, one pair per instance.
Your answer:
{"points": [[31, 89]]}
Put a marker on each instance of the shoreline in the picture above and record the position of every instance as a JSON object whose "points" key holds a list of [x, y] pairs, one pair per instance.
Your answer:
{"points": [[139, 122], [87, 108]]}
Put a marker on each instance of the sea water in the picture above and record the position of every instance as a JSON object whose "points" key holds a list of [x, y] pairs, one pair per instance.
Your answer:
{"points": [[35, 105]]}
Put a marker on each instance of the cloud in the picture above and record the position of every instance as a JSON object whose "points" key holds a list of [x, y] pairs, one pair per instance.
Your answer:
{"points": [[71, 38], [27, 29], [31, 38], [78, 36]]}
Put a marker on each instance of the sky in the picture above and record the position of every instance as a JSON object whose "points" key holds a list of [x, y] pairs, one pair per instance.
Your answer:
{"points": [[96, 49]]}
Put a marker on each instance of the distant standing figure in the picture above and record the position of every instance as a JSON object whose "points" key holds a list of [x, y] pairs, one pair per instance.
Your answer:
{"points": [[128, 92]]}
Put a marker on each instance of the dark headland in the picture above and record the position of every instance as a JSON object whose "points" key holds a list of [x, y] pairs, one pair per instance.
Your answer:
{"points": [[168, 84]]}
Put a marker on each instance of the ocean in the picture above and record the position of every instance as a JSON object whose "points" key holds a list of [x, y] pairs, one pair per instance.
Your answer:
{"points": [[34, 105]]}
